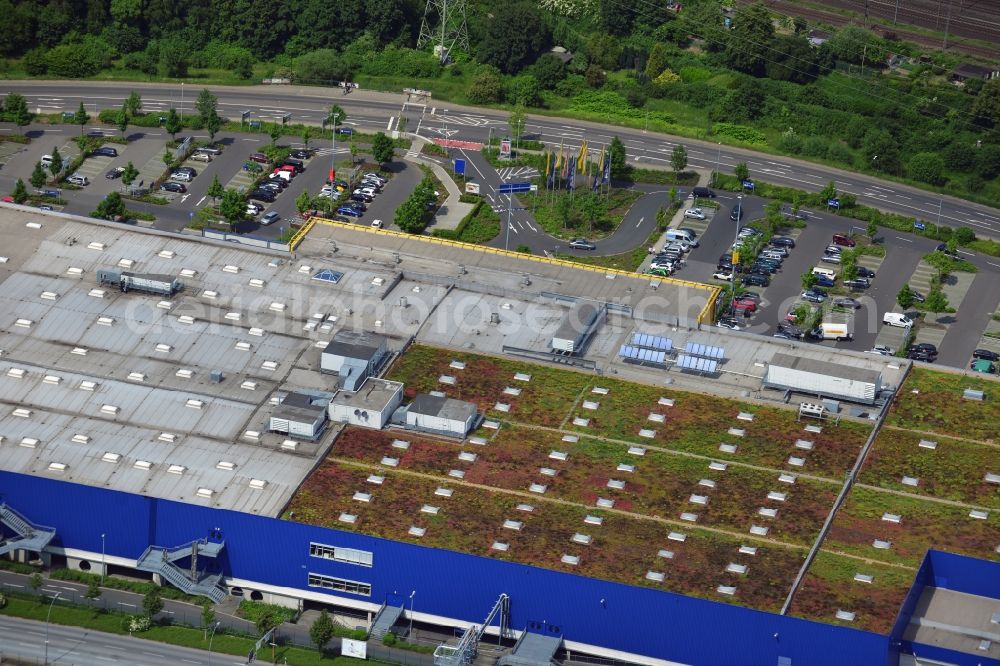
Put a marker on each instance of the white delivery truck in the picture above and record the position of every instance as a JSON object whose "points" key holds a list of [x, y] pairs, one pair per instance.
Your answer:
{"points": [[832, 331]]}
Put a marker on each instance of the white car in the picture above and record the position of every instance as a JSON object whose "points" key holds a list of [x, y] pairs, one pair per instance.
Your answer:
{"points": [[370, 191], [377, 224], [722, 275], [695, 213], [831, 258], [881, 350], [181, 176], [375, 176], [897, 319], [270, 218], [77, 179], [253, 209]]}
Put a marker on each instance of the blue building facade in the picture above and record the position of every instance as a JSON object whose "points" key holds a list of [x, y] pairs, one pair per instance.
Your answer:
{"points": [[613, 616]]}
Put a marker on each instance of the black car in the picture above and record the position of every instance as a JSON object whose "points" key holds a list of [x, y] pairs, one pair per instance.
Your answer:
{"points": [[762, 269], [917, 296], [788, 328], [298, 164], [924, 347], [360, 198], [170, 186], [262, 195], [280, 182], [736, 214], [782, 241], [105, 151], [986, 355], [186, 169], [356, 205], [920, 355], [756, 280], [865, 272], [857, 284], [301, 154], [271, 185]]}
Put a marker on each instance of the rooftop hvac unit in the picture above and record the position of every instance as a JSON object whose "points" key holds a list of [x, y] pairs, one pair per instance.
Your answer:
{"points": [[494, 317], [217, 376]]}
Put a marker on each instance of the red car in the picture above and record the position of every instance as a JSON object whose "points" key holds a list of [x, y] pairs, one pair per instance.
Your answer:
{"points": [[8, 199], [747, 305], [259, 157], [841, 239]]}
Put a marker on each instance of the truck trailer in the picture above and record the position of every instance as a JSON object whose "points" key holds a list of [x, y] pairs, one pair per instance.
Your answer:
{"points": [[150, 283], [831, 331]]}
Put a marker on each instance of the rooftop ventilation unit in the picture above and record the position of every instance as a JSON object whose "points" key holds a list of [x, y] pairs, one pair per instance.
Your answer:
{"points": [[217, 376]]}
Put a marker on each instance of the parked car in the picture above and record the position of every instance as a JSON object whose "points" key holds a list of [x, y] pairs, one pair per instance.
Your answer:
{"points": [[695, 213], [271, 185], [723, 275], [298, 165], [262, 195], [730, 323], [78, 179], [280, 182], [692, 236], [748, 306], [925, 348], [830, 258], [270, 218], [260, 158], [661, 271], [187, 169], [986, 355], [897, 319], [921, 355], [115, 173], [253, 209], [843, 239], [105, 151], [302, 154], [736, 214], [814, 295], [750, 295], [582, 244], [917, 296], [849, 303], [832, 249], [173, 187], [782, 241], [359, 195], [865, 272], [755, 280], [359, 200], [943, 249], [202, 157], [370, 191], [181, 176], [377, 177], [881, 350], [348, 211], [790, 329], [783, 335], [377, 224], [823, 281], [356, 205], [857, 284]]}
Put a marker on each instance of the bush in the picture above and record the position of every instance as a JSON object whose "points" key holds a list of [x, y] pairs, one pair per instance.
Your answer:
{"points": [[740, 133], [927, 168], [389, 639], [135, 623], [321, 66], [487, 86], [78, 60]]}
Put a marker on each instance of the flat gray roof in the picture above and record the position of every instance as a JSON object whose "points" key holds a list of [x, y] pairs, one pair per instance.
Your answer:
{"points": [[956, 621], [577, 321], [355, 344], [373, 394], [446, 408], [806, 364]]}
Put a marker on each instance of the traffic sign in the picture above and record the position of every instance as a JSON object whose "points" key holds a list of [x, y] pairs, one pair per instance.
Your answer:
{"points": [[460, 167], [505, 148], [748, 185], [833, 203], [472, 188], [514, 188]]}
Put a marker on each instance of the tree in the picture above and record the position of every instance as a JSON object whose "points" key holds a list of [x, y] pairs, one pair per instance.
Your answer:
{"points": [[382, 148], [880, 151], [152, 603], [20, 193], [564, 209], [111, 207], [524, 91], [516, 122], [336, 110], [927, 167], [594, 76], [307, 133], [742, 171], [986, 107], [829, 191], [83, 143], [16, 108], [57, 162], [173, 124], [321, 632], [37, 178], [168, 157], [133, 104], [657, 61], [93, 590], [952, 245], [207, 105], [35, 582], [905, 297], [274, 132], [354, 152], [267, 620], [121, 120], [809, 280], [207, 616], [615, 18], [81, 118], [215, 189], [212, 125], [232, 207], [872, 230], [515, 41], [616, 151], [678, 160], [129, 174], [936, 301], [487, 86], [591, 208], [748, 43], [303, 202], [549, 71]]}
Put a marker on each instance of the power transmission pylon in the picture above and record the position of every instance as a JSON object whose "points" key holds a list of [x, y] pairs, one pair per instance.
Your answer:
{"points": [[451, 32]]}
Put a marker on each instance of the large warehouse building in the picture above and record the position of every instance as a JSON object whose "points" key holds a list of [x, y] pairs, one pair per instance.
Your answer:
{"points": [[135, 429]]}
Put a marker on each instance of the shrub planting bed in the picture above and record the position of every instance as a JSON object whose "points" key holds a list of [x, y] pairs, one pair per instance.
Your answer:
{"points": [[623, 548], [829, 586], [954, 470], [923, 524], [938, 406]]}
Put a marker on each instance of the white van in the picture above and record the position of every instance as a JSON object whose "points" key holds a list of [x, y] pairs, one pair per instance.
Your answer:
{"points": [[46, 160], [825, 272], [897, 319], [769, 254], [680, 235]]}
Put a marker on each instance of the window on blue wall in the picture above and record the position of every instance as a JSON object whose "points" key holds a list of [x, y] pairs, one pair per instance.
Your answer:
{"points": [[340, 585], [784, 661], [362, 558]]}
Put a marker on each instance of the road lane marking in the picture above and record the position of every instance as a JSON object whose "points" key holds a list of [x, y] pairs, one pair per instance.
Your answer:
{"points": [[639, 222], [200, 200], [908, 240]]}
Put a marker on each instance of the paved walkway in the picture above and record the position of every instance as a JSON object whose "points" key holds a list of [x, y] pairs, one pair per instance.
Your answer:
{"points": [[452, 211]]}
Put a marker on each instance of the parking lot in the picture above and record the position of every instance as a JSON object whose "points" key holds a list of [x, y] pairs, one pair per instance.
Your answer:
{"points": [[901, 265], [145, 150]]}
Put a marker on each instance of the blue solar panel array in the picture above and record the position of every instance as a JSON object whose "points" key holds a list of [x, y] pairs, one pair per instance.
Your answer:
{"points": [[327, 275], [652, 342], [705, 351], [639, 355], [686, 362]]}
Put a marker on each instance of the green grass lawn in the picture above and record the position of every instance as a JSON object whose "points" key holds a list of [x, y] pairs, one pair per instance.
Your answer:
{"points": [[545, 206]]}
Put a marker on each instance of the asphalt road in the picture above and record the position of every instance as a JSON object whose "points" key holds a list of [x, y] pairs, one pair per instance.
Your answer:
{"points": [[371, 111]]}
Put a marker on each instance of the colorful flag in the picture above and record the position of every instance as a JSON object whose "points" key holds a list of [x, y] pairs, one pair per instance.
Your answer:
{"points": [[550, 169], [559, 158], [571, 183], [597, 170], [565, 163], [606, 176], [581, 158]]}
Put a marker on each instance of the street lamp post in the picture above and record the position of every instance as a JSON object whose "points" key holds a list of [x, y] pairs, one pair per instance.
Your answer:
{"points": [[211, 637], [736, 238], [409, 635], [182, 99], [506, 242], [104, 566], [47, 616], [333, 147], [718, 161], [940, 204]]}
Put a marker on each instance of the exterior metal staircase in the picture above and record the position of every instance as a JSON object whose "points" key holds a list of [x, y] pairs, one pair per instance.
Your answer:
{"points": [[161, 561], [465, 652], [28, 536], [385, 620]]}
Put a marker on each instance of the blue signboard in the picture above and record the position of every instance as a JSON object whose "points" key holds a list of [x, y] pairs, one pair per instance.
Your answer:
{"points": [[514, 188], [748, 185], [918, 225], [460, 167], [833, 203]]}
